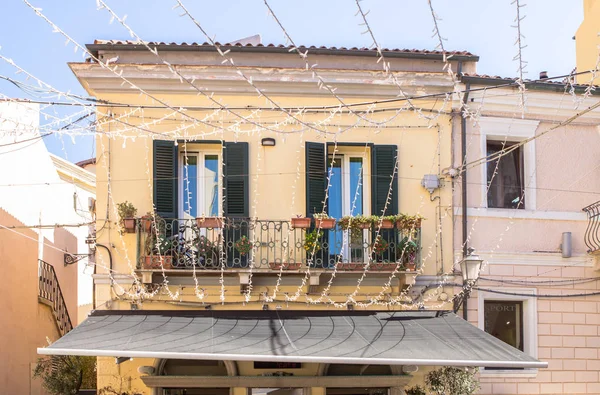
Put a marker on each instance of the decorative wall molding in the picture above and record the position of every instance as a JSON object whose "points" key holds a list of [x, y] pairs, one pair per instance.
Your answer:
{"points": [[522, 214], [530, 258]]}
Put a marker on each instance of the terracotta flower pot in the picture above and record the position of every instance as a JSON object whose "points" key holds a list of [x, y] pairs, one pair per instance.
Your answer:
{"points": [[364, 225], [147, 223], [157, 261], [209, 222], [301, 223], [129, 225], [325, 223], [387, 224]]}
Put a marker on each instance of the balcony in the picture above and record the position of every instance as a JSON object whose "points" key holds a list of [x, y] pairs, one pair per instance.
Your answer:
{"points": [[241, 244], [592, 232]]}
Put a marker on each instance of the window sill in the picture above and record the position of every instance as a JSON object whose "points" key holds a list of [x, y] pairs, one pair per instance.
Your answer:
{"points": [[525, 373], [522, 214]]}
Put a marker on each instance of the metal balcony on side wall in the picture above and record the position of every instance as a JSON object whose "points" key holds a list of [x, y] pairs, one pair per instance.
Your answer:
{"points": [[272, 245], [592, 231]]}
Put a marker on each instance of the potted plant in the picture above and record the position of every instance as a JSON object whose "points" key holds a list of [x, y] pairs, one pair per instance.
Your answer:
{"points": [[311, 241], [157, 247], [355, 225], [388, 221], [300, 222], [323, 221], [243, 245], [127, 212], [209, 222], [416, 390], [148, 221], [408, 223], [380, 245], [407, 250], [207, 252], [157, 257]]}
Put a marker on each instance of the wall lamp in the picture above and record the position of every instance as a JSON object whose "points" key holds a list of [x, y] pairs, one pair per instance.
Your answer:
{"points": [[268, 142], [470, 267]]}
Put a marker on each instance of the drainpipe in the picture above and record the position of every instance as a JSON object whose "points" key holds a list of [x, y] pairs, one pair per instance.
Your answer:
{"points": [[463, 144], [110, 268]]}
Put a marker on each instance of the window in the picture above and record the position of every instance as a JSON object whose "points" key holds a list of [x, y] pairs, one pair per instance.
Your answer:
{"points": [[346, 198], [512, 319], [504, 320], [199, 179], [506, 186]]}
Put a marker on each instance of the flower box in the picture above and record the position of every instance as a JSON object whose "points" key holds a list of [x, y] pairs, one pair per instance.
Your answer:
{"points": [[286, 266], [301, 223], [129, 225], [157, 262], [364, 225], [325, 223], [209, 222], [383, 266], [387, 224]]}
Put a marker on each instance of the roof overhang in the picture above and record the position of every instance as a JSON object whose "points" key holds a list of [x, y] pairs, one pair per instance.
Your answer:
{"points": [[112, 45], [374, 338]]}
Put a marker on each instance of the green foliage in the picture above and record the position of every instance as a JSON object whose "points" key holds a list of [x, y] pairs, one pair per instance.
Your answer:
{"points": [[355, 224], [380, 245], [243, 245], [407, 249], [320, 216], [451, 380], [156, 242], [311, 241], [111, 391], [66, 374], [126, 210], [416, 390]]}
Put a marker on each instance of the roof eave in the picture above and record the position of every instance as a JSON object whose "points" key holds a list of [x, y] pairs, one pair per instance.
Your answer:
{"points": [[532, 85], [94, 48]]}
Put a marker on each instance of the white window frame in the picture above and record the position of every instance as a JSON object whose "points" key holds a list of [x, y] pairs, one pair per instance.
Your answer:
{"points": [[201, 154], [346, 153], [510, 130], [530, 325]]}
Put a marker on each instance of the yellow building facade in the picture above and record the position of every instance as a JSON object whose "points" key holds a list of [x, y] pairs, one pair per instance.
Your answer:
{"points": [[587, 41], [223, 155]]}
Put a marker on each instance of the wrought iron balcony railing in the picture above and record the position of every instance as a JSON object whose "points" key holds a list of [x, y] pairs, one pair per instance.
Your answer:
{"points": [[241, 243], [592, 232]]}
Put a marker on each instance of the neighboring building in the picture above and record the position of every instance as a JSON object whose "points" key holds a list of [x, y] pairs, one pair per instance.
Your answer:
{"points": [[587, 42], [88, 164], [42, 200], [81, 180], [240, 294], [525, 220]]}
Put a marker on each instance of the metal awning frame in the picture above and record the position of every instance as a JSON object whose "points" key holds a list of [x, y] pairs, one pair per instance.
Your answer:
{"points": [[291, 358]]}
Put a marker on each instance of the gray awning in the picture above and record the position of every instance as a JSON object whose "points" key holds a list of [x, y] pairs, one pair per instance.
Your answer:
{"points": [[382, 338]]}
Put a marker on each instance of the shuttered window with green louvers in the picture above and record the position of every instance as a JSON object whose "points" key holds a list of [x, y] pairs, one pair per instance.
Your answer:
{"points": [[236, 184], [165, 179], [383, 161], [316, 177]]}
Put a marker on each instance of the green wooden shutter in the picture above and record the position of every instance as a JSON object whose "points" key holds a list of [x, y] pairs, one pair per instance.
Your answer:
{"points": [[235, 184], [316, 177], [383, 160], [165, 179]]}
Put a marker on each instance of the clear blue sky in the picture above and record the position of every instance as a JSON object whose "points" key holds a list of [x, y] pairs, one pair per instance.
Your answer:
{"points": [[482, 27]]}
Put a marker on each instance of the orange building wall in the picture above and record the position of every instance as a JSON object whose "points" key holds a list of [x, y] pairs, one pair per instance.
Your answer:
{"points": [[25, 323]]}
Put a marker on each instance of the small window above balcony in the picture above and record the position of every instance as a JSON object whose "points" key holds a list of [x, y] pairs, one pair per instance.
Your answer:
{"points": [[505, 176]]}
